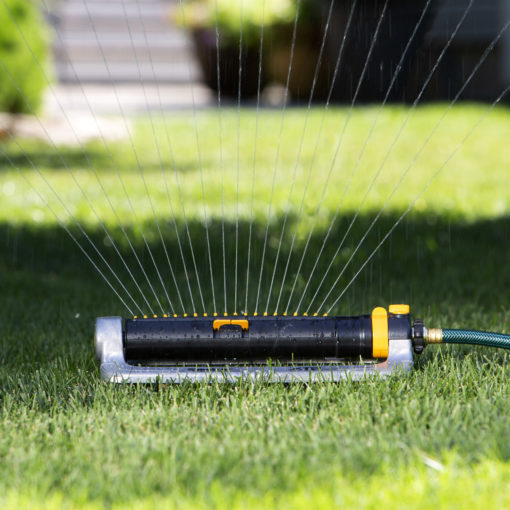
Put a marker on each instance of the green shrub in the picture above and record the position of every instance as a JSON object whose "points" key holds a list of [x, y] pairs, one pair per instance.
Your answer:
{"points": [[18, 59], [231, 13]]}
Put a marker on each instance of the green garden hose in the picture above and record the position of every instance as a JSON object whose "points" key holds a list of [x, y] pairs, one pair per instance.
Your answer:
{"points": [[423, 336], [467, 336]]}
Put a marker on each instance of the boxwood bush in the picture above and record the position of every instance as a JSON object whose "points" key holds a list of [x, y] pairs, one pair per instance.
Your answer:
{"points": [[17, 58]]}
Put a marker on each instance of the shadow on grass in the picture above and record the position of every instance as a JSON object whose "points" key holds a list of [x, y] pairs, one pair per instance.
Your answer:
{"points": [[452, 273], [46, 157], [94, 155]]}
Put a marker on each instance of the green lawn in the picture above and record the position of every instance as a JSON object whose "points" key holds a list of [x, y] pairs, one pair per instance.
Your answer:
{"points": [[435, 438]]}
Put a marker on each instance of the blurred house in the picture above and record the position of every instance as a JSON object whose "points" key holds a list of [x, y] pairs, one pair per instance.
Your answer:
{"points": [[482, 25]]}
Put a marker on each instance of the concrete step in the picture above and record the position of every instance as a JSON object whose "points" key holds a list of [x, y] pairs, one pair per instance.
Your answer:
{"points": [[171, 39], [170, 46], [132, 97], [76, 16], [127, 72], [111, 8], [120, 2], [118, 23], [122, 54]]}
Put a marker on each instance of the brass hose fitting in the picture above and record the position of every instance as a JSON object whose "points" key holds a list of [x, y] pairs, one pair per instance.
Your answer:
{"points": [[433, 336]]}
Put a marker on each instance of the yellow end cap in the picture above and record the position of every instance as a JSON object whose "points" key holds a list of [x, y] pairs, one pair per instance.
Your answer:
{"points": [[380, 336], [145, 317], [165, 315], [265, 314], [175, 315], [135, 316], [185, 315], [275, 314], [215, 314], [399, 309]]}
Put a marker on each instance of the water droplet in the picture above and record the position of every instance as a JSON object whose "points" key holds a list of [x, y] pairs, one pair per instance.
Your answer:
{"points": [[37, 216], [9, 188]]}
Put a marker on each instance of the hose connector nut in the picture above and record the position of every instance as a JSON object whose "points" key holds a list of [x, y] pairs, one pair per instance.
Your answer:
{"points": [[418, 336]]}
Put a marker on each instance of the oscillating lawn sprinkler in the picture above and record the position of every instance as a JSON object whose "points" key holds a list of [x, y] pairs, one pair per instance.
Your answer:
{"points": [[176, 349]]}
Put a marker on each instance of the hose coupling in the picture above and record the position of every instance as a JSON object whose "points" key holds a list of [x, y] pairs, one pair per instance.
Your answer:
{"points": [[433, 336]]}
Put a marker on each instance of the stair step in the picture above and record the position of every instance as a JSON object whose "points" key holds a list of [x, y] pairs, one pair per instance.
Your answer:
{"points": [[128, 72], [133, 98], [166, 40], [102, 24], [155, 19], [112, 10], [122, 54]]}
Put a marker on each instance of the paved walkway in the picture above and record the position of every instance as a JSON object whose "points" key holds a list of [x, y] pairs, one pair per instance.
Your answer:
{"points": [[132, 97]]}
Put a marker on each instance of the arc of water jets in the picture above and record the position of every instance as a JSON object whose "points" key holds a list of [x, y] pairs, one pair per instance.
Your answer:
{"points": [[275, 170]]}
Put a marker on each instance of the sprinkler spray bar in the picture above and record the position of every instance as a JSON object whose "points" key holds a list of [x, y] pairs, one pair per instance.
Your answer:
{"points": [[175, 349]]}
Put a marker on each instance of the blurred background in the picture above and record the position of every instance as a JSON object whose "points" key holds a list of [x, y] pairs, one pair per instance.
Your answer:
{"points": [[162, 43]]}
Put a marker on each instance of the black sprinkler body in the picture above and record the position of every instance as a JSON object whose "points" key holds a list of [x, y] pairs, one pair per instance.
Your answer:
{"points": [[278, 347], [250, 339]]}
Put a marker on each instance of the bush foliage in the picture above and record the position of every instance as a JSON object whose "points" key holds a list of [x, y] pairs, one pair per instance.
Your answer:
{"points": [[231, 15], [19, 74]]}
